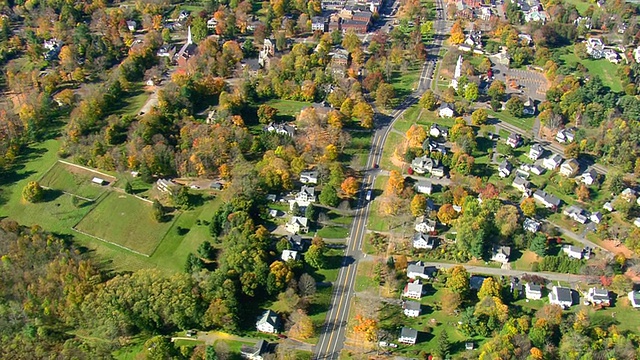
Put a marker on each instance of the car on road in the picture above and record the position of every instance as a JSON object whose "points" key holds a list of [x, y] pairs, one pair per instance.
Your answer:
{"points": [[368, 197], [375, 166]]}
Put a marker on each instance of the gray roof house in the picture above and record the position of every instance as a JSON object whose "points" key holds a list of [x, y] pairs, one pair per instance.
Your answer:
{"points": [[408, 336], [500, 254], [255, 352], [531, 225], [413, 290], [423, 241], [549, 201], [533, 291], [411, 308], [576, 213], [535, 151], [504, 169], [561, 296], [418, 270], [521, 184], [269, 322]]}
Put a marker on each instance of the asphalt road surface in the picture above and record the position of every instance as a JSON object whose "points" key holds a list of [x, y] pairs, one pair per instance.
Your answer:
{"points": [[332, 336]]}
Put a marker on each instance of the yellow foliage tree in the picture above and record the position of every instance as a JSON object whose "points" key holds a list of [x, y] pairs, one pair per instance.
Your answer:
{"points": [[457, 34], [395, 185], [365, 327], [302, 325], [350, 186], [418, 205], [416, 136]]}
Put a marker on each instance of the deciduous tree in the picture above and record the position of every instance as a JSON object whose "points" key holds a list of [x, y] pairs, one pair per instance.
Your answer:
{"points": [[416, 135], [479, 117], [428, 100], [302, 327], [350, 186], [446, 214], [329, 196], [528, 207], [266, 113], [450, 301], [395, 184], [458, 280], [418, 205], [490, 287], [33, 192], [364, 113], [515, 106], [457, 34], [365, 327], [507, 220]]}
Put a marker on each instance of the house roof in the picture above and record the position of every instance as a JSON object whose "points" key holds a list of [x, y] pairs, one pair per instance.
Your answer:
{"points": [[556, 158], [534, 287], [411, 305], [445, 105], [310, 190], [572, 249], [268, 317], [520, 181], [572, 163], [406, 332], [537, 148], [300, 220], [563, 294], [591, 173], [599, 294], [414, 287], [505, 165], [547, 197], [506, 250], [475, 282]]}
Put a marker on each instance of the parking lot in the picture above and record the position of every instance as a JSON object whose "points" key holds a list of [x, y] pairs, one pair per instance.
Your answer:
{"points": [[531, 83]]}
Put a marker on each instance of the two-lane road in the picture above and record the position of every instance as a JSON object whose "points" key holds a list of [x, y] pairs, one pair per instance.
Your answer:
{"points": [[332, 337]]}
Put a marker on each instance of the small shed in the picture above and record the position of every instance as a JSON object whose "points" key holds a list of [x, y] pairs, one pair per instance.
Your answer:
{"points": [[99, 181]]}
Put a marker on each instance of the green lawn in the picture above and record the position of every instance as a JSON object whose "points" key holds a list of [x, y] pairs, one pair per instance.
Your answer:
{"points": [[333, 232], [522, 123], [606, 70], [375, 221], [74, 180], [288, 107], [134, 101], [417, 115], [318, 311], [394, 140], [355, 155], [364, 276], [126, 221], [581, 5], [405, 82]]}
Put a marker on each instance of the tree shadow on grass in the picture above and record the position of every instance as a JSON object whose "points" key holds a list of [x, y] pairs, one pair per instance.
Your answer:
{"points": [[51, 195]]}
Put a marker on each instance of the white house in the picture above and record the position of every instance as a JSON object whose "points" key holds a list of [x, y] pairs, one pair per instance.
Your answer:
{"points": [[269, 322], [514, 140], [437, 131], [608, 206], [569, 168], [552, 162], [533, 291], [500, 254], [561, 296], [424, 164], [437, 171], [576, 213], [598, 296], [549, 201], [572, 251], [425, 225], [306, 196], [537, 169], [309, 177], [212, 23], [535, 152], [565, 136], [446, 110], [132, 25], [521, 184], [589, 177], [636, 222], [166, 185], [255, 352], [418, 270], [596, 217], [298, 225], [531, 225], [424, 187], [423, 241], [289, 255], [634, 298], [504, 169], [628, 194], [413, 290], [408, 336], [411, 308]]}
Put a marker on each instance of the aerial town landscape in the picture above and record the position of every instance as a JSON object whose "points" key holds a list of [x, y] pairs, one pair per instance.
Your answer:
{"points": [[329, 179]]}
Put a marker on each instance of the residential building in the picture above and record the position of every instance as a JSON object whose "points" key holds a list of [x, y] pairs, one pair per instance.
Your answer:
{"points": [[424, 187], [521, 184], [419, 270], [500, 254], [608, 206], [432, 145], [529, 107], [569, 168], [531, 225], [552, 162], [306, 196], [132, 25], [413, 290], [423, 241], [425, 225], [476, 281], [611, 55], [504, 169], [166, 185], [561, 296], [282, 129], [573, 252], [514, 140], [535, 152], [255, 352], [297, 243], [589, 177], [332, 4], [166, 50], [596, 217], [358, 26], [411, 308], [598, 297], [319, 23], [565, 136], [628, 194], [533, 291], [269, 322], [576, 213], [636, 222], [438, 171], [456, 74], [298, 225], [424, 164], [408, 336], [547, 200], [445, 110], [634, 298], [212, 23], [290, 255], [537, 169], [309, 177], [438, 130], [267, 52]]}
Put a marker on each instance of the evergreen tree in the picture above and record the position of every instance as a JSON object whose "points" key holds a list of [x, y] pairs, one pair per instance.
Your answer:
{"points": [[444, 345]]}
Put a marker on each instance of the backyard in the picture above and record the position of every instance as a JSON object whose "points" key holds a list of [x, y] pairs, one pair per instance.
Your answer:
{"points": [[606, 70], [75, 180]]}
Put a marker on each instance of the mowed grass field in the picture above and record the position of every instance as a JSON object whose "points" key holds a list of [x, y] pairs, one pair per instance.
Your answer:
{"points": [[74, 180], [126, 221]]}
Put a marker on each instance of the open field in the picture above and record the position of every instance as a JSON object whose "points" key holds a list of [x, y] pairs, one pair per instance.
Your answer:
{"points": [[289, 108], [606, 70], [75, 180], [365, 275], [126, 221], [522, 123]]}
